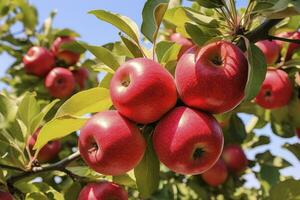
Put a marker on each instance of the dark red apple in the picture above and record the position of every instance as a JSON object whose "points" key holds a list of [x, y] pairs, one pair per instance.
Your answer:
{"points": [[212, 78], [142, 90], [292, 46], [188, 141], [276, 90], [270, 49], [298, 132], [48, 152], [111, 144], [38, 61], [60, 82], [235, 158], [81, 76], [216, 175], [69, 57], [102, 191], [5, 196], [184, 42]]}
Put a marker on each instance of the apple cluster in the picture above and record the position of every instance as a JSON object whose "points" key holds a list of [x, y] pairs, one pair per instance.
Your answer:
{"points": [[60, 82], [186, 138]]}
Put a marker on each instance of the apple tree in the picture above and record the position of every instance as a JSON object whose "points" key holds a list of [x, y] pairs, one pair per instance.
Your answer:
{"points": [[166, 120]]}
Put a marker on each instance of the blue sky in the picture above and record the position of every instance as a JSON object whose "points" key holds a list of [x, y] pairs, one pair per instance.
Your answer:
{"points": [[73, 14]]}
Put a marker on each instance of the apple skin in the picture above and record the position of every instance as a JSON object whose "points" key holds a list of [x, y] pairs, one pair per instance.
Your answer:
{"points": [[38, 61], [81, 76], [102, 191], [292, 46], [184, 42], [214, 88], [5, 196], [150, 94], [270, 49], [276, 90], [235, 158], [298, 132], [111, 144], [283, 35], [60, 82], [188, 141], [216, 175], [48, 152], [69, 57]]}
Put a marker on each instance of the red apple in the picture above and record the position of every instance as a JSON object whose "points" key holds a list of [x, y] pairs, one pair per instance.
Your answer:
{"points": [[81, 76], [298, 132], [184, 42], [5, 196], [276, 90], [188, 141], [111, 144], [38, 61], [212, 78], [293, 46], [102, 191], [69, 57], [270, 49], [235, 158], [48, 152], [60, 82], [216, 175], [283, 35], [142, 90]]}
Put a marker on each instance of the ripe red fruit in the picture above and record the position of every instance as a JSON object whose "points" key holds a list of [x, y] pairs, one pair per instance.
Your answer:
{"points": [[69, 57], [142, 90], [276, 90], [38, 61], [188, 141], [60, 82], [102, 191], [283, 35], [5, 196], [48, 152], [298, 132], [81, 76], [216, 175], [235, 158], [212, 78], [270, 49], [184, 42], [293, 46], [111, 144]]}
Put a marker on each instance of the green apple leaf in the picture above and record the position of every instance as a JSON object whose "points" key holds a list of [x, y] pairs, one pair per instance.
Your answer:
{"points": [[103, 54], [288, 189], [123, 23], [171, 54], [29, 15], [257, 69], [153, 13], [85, 102], [147, 171], [161, 49], [58, 128], [66, 32], [200, 34], [294, 148], [236, 132], [127, 179], [73, 46], [132, 47], [210, 3], [8, 110], [267, 158]]}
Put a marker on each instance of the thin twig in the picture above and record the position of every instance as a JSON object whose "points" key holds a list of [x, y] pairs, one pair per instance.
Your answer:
{"points": [[11, 167]]}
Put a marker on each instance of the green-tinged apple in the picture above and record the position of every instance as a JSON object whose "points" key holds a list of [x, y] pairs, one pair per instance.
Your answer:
{"points": [[235, 158], [69, 57], [142, 90], [48, 152], [188, 141], [102, 191], [111, 144], [216, 175], [38, 61], [81, 76], [276, 90], [60, 82], [213, 78], [270, 49]]}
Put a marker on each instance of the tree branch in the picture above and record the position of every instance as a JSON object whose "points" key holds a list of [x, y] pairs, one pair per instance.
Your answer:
{"points": [[271, 37], [44, 168], [11, 167], [260, 33]]}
